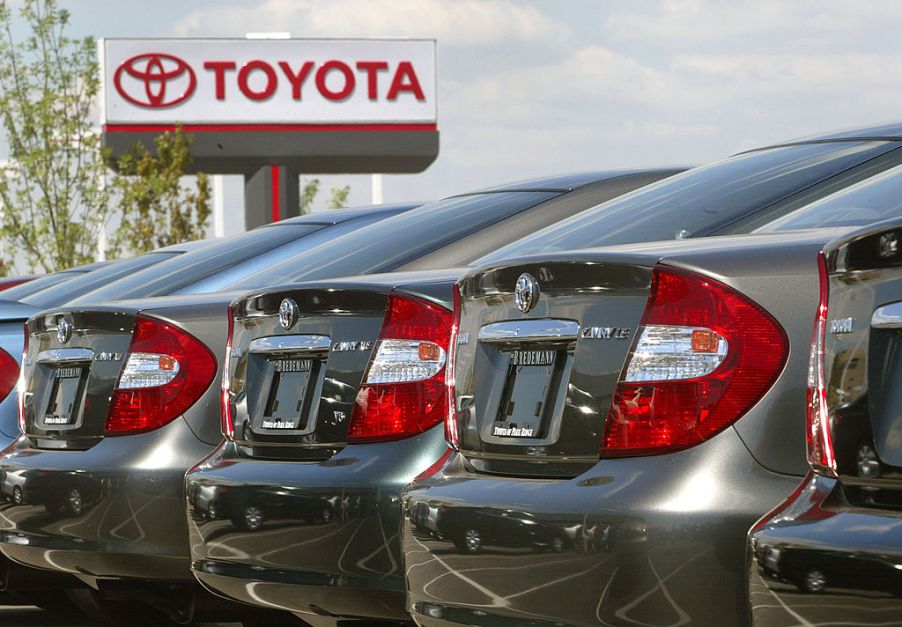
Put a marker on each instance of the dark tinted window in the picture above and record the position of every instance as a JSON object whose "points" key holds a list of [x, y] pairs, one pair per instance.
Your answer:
{"points": [[49, 280], [700, 201], [260, 263], [41, 283], [169, 276], [878, 198], [387, 244], [81, 284]]}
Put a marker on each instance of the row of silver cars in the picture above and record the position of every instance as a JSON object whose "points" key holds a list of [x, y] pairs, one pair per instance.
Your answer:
{"points": [[647, 397]]}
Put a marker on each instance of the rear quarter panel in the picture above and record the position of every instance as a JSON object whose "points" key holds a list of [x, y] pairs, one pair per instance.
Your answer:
{"points": [[782, 279], [207, 320]]}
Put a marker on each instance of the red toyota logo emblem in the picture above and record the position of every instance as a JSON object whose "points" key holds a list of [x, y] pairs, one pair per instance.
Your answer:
{"points": [[155, 80]]}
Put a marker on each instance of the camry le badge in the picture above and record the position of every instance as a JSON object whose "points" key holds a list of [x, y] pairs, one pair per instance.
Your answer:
{"points": [[604, 333], [288, 313], [356, 345], [526, 292], [104, 356], [63, 331]]}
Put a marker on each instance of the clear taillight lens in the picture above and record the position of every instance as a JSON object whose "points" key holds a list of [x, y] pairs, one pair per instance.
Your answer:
{"points": [[166, 372], [147, 370], [704, 355], [820, 442], [665, 353], [402, 361], [404, 390]]}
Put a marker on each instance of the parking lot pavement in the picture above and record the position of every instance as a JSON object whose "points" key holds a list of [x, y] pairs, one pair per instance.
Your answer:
{"points": [[35, 617], [785, 606]]}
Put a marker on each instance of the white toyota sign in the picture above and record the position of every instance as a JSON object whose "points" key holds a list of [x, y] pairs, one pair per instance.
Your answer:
{"points": [[255, 82]]}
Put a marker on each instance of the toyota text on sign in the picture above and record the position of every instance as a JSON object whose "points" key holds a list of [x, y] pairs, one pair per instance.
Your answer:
{"points": [[240, 81]]}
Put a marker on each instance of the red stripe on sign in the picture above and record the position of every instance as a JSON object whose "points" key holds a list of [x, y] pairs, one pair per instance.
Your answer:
{"points": [[276, 192], [231, 128]]}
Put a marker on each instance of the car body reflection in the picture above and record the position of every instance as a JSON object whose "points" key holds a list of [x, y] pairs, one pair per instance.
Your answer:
{"points": [[477, 529]]}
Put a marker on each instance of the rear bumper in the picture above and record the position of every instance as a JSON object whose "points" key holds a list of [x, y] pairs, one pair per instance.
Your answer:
{"points": [[821, 559], [303, 536], [113, 511], [652, 540]]}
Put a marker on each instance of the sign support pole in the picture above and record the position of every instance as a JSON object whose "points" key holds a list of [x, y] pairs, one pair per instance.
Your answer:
{"points": [[270, 194]]}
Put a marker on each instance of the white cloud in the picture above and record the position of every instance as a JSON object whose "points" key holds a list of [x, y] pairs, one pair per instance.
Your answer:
{"points": [[536, 88], [598, 107], [750, 24], [465, 22], [797, 71]]}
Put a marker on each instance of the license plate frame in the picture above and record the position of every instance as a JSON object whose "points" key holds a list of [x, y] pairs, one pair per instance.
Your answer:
{"points": [[528, 393], [289, 390], [65, 398]]}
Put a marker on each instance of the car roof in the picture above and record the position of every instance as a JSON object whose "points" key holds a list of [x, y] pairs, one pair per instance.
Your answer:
{"points": [[88, 267], [184, 247], [569, 182], [337, 216], [889, 131]]}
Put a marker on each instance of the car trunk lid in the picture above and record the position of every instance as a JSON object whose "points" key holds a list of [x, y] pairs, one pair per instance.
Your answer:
{"points": [[863, 358], [71, 374], [539, 354], [72, 363], [297, 360]]}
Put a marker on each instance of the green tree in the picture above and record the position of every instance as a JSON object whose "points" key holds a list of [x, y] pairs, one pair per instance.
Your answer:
{"points": [[157, 209], [338, 196], [55, 203], [308, 195]]}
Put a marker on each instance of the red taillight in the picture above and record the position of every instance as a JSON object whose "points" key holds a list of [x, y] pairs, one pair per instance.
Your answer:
{"points": [[21, 383], [404, 391], [820, 443], [166, 372], [704, 355], [227, 418], [9, 373]]}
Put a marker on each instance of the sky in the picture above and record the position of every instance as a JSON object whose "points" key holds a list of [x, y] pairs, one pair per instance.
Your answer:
{"points": [[537, 87]]}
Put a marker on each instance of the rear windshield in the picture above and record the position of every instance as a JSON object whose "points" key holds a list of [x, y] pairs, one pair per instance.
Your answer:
{"points": [[878, 198], [388, 244], [41, 283], [169, 276], [260, 263], [81, 284], [699, 202]]}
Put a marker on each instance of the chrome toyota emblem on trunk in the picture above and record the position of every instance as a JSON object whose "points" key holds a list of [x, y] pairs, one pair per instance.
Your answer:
{"points": [[288, 313], [526, 292], [63, 331]]}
